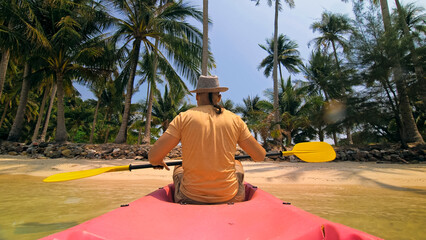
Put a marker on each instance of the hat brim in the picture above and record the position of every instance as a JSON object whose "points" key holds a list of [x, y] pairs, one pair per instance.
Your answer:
{"points": [[205, 90]]}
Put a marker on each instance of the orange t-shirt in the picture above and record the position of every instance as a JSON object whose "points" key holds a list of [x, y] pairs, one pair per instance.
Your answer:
{"points": [[209, 143]]}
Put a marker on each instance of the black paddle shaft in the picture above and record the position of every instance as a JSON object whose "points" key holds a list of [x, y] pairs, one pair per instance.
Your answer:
{"points": [[175, 163], [276, 154]]}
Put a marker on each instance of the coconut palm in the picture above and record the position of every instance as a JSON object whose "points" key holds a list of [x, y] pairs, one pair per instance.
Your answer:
{"points": [[70, 36], [148, 22], [292, 103], [411, 19], [19, 17], [112, 97], [288, 56], [228, 104], [278, 7], [332, 28], [409, 130], [320, 74], [251, 112], [168, 106], [257, 115], [321, 78], [8, 37], [48, 113], [292, 107], [15, 132]]}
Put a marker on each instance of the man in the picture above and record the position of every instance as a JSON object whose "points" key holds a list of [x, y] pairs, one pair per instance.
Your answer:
{"points": [[209, 135]]}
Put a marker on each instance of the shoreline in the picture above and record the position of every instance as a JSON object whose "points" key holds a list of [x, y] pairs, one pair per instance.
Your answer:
{"points": [[328, 173]]}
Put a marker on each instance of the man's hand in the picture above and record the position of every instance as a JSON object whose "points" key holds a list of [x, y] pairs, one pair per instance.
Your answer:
{"points": [[161, 166]]}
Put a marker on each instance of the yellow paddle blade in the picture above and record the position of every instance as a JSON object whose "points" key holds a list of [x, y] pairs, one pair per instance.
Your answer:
{"points": [[61, 177], [313, 152]]}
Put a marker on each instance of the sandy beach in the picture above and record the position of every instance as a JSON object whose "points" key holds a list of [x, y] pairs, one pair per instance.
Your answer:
{"points": [[386, 200], [331, 173]]}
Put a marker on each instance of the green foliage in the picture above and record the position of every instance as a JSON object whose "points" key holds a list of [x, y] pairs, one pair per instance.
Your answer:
{"points": [[348, 76]]}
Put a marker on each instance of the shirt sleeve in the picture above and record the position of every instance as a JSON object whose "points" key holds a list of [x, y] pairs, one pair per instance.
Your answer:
{"points": [[174, 128], [244, 131]]}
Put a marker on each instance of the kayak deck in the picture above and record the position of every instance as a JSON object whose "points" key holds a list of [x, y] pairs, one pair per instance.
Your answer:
{"points": [[262, 216]]}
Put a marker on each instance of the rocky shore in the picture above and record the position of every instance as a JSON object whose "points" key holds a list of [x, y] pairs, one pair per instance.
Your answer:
{"points": [[372, 153]]}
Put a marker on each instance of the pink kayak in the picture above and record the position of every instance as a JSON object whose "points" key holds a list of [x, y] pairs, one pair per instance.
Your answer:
{"points": [[262, 216]]}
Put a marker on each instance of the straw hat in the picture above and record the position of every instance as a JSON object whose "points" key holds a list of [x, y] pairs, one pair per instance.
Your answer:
{"points": [[208, 84]]}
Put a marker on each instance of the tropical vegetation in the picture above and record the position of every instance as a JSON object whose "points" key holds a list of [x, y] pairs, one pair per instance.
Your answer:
{"points": [[363, 82]]}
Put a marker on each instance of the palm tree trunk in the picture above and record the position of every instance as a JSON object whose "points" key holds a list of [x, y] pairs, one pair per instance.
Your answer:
{"points": [[288, 138], [349, 135], [49, 112], [410, 131], [385, 15], [140, 135], [3, 68], [336, 141], [107, 129], [205, 53], [281, 73], [122, 133], [321, 134], [418, 69], [40, 114], [3, 116], [61, 131], [277, 113], [147, 136], [274, 72], [335, 56], [92, 132], [15, 132]]}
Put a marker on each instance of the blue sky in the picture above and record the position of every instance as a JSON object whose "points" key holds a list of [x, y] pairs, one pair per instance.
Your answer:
{"points": [[239, 26]]}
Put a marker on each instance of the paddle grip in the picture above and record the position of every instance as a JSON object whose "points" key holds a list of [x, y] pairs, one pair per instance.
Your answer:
{"points": [[131, 167]]}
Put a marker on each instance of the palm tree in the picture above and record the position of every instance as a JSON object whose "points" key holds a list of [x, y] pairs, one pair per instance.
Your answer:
{"points": [[251, 112], [19, 18], [332, 28], [409, 18], [315, 107], [288, 56], [409, 130], [258, 116], [292, 103], [278, 7], [320, 75], [112, 97], [168, 106], [228, 104], [147, 22], [49, 112], [15, 132], [8, 39], [69, 34]]}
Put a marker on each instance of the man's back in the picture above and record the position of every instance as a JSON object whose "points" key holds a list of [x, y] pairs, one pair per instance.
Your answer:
{"points": [[208, 147]]}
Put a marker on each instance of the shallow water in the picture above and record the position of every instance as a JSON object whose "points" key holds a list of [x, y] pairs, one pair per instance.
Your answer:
{"points": [[31, 209]]}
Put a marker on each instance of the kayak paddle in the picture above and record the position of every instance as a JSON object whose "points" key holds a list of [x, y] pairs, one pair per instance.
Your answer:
{"points": [[307, 151]]}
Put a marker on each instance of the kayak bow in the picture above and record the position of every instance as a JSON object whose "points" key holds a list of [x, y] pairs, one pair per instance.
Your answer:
{"points": [[262, 216]]}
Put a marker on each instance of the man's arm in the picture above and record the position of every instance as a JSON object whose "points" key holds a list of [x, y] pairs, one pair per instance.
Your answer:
{"points": [[161, 148], [253, 148]]}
